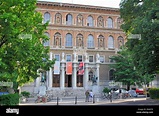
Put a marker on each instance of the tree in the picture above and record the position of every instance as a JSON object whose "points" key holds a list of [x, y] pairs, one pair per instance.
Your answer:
{"points": [[124, 68], [142, 17], [21, 36]]}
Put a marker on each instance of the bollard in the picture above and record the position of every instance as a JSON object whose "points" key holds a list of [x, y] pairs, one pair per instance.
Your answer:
{"points": [[110, 97], [57, 100], [76, 100], [93, 98]]}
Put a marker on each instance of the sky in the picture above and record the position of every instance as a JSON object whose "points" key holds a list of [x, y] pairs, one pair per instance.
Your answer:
{"points": [[104, 3]]}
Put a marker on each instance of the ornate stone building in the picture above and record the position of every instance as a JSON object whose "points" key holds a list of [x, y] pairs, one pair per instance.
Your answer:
{"points": [[80, 34]]}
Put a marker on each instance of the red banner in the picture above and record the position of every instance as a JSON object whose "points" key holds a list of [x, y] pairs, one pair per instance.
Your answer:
{"points": [[69, 68], [81, 68]]}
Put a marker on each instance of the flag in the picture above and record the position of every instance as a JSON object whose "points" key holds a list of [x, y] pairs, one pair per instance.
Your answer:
{"points": [[81, 68], [68, 68], [57, 67]]}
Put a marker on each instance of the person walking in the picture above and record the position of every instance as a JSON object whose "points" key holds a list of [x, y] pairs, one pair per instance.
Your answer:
{"points": [[91, 95], [87, 96]]}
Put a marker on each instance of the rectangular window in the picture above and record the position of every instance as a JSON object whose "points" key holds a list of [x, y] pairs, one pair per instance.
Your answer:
{"points": [[68, 58], [80, 58], [101, 58], [57, 57], [110, 60], [90, 58]]}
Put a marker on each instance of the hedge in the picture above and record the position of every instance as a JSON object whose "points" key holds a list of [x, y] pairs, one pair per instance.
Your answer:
{"points": [[9, 99]]}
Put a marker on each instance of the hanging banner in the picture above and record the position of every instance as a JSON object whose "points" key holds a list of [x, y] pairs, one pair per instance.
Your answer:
{"points": [[57, 67], [69, 68], [81, 68]]}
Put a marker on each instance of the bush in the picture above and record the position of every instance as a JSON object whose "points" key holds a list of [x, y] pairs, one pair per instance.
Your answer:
{"points": [[25, 94], [9, 99], [106, 90], [154, 93]]}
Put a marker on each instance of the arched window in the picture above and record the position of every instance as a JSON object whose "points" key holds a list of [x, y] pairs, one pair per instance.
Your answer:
{"points": [[111, 42], [100, 21], [111, 74], [90, 41], [79, 40], [120, 41], [80, 20], [68, 40], [46, 42], [90, 21], [110, 23], [57, 39], [68, 19], [58, 18], [47, 17], [101, 41]]}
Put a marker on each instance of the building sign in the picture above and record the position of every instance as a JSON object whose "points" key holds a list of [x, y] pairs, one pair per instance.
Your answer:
{"points": [[57, 67], [81, 68], [113, 83], [69, 68]]}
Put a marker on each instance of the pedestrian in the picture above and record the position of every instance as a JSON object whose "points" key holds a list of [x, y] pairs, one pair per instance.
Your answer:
{"points": [[87, 96], [120, 94], [91, 95]]}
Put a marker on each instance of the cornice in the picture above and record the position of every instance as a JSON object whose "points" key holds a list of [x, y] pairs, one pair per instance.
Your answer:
{"points": [[45, 3]]}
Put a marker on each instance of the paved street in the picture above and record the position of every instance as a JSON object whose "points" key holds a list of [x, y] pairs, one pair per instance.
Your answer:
{"points": [[132, 106]]}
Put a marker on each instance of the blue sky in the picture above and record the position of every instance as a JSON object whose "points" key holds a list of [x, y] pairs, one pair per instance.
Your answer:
{"points": [[105, 3]]}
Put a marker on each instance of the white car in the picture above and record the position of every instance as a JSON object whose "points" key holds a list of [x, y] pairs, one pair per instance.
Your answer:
{"points": [[122, 91], [125, 93]]}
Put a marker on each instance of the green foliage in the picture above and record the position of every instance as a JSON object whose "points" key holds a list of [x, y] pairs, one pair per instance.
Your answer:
{"points": [[106, 90], [9, 99], [154, 93], [124, 68], [21, 47], [142, 17], [25, 94]]}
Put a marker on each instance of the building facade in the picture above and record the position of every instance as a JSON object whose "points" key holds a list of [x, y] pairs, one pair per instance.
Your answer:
{"points": [[82, 39]]}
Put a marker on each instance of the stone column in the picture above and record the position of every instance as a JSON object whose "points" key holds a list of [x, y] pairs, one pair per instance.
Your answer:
{"points": [[50, 74], [97, 73], [85, 77], [97, 67], [62, 75], [74, 77]]}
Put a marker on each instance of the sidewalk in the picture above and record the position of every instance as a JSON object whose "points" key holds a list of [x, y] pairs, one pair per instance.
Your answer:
{"points": [[80, 101]]}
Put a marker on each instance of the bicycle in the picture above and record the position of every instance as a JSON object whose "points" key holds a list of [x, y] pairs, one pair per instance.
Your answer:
{"points": [[41, 99], [107, 96], [49, 97]]}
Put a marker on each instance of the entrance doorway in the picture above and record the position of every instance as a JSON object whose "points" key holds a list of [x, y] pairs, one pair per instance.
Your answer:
{"points": [[68, 80]]}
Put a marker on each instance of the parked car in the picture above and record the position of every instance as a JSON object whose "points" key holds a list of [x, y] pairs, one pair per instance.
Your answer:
{"points": [[133, 93], [124, 92], [140, 91]]}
